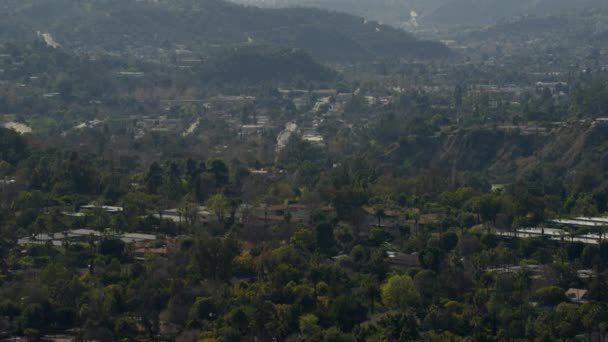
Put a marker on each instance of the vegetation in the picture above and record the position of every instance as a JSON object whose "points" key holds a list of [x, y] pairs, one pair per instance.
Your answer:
{"points": [[203, 25], [202, 186]]}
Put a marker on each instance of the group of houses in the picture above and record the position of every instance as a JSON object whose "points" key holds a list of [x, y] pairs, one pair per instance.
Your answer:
{"points": [[587, 230]]}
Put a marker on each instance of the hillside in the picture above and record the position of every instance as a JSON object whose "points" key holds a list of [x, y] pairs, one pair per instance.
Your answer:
{"points": [[504, 155], [582, 34], [256, 65], [392, 12], [119, 26], [415, 14], [484, 12]]}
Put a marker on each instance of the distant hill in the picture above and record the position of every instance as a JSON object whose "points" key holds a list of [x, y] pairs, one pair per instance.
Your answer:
{"points": [[398, 13], [588, 28], [484, 12], [204, 25], [250, 64], [439, 13]]}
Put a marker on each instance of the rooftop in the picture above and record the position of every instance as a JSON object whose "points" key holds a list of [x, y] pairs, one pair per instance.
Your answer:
{"points": [[108, 208]]}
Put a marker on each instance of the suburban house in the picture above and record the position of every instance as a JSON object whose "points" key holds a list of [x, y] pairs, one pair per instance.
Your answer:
{"points": [[81, 236], [576, 296], [107, 208], [401, 261]]}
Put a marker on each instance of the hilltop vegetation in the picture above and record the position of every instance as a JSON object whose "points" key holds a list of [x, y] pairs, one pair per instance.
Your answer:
{"points": [[188, 170], [441, 13], [583, 27], [484, 12], [204, 25], [391, 12], [250, 64]]}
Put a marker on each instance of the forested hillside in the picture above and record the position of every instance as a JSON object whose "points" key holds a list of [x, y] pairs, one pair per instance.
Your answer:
{"points": [[392, 12], [440, 13], [584, 27], [204, 25], [196, 170], [484, 12]]}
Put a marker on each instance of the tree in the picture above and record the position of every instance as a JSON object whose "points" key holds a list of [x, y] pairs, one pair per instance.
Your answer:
{"points": [[281, 322], [448, 241], [214, 257], [204, 186], [347, 312], [188, 211], [34, 316], [13, 147], [379, 213], [303, 239], [154, 178], [6, 169], [219, 205], [9, 309], [425, 283], [399, 293], [193, 170], [173, 186], [591, 256], [414, 214], [325, 237], [76, 174], [371, 291], [569, 322], [112, 247], [220, 172], [344, 236], [204, 309], [489, 206], [139, 203], [431, 258], [593, 316], [585, 206], [550, 295], [598, 288], [401, 326], [309, 328]]}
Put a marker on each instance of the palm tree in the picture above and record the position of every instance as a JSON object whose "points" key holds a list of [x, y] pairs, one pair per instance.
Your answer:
{"points": [[372, 292], [380, 214], [515, 227], [602, 229], [414, 214], [246, 212]]}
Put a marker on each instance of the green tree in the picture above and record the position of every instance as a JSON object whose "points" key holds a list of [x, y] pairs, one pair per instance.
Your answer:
{"points": [[326, 241], [399, 293], [220, 171], [309, 328], [204, 309], [371, 291], [448, 241], [401, 326], [154, 179], [34, 316], [431, 258], [347, 312], [173, 185], [137, 203], [425, 283], [219, 205], [303, 239], [550, 295]]}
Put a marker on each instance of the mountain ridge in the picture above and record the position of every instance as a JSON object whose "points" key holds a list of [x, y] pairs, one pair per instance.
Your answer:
{"points": [[415, 14], [206, 25]]}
